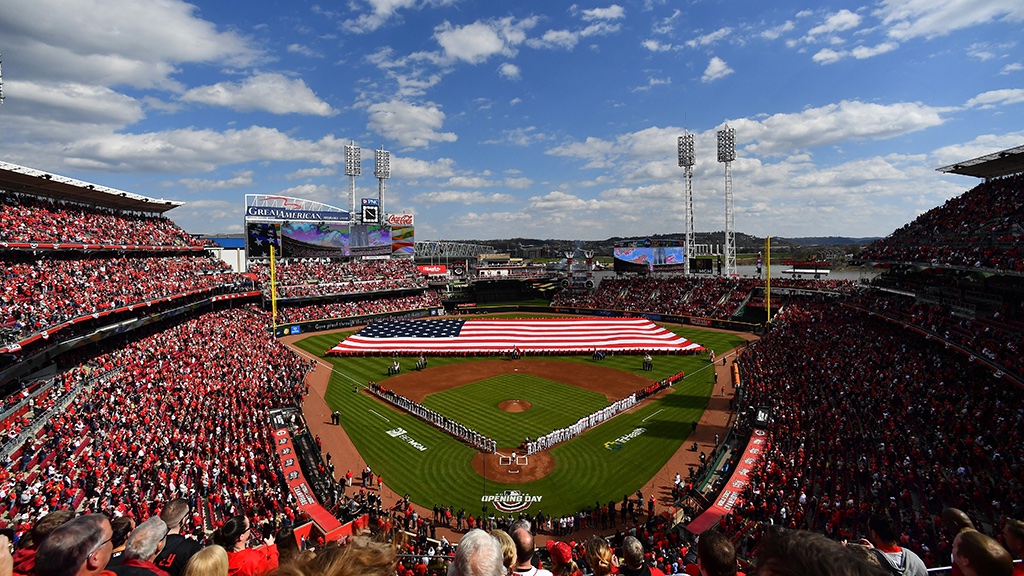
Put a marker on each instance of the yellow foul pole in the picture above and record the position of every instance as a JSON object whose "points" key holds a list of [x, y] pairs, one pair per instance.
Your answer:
{"points": [[768, 276], [273, 287]]}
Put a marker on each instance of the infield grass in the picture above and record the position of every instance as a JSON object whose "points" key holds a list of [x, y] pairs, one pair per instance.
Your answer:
{"points": [[590, 468]]}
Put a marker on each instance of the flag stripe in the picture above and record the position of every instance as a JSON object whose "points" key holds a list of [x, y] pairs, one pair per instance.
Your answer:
{"points": [[530, 335]]}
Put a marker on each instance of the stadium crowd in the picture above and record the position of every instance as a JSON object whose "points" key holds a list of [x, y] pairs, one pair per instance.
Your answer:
{"points": [[359, 307], [708, 297], [978, 229], [39, 293], [31, 219], [321, 277], [180, 413], [889, 424], [998, 337]]}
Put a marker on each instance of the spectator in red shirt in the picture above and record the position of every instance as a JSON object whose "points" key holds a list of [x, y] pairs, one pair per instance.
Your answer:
{"points": [[242, 561]]}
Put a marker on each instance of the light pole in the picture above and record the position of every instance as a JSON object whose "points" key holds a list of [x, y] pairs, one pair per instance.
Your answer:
{"points": [[382, 170], [687, 158], [353, 168], [726, 154]]}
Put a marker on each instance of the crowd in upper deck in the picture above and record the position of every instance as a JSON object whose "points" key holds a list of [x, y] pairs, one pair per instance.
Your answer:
{"points": [[981, 228]]}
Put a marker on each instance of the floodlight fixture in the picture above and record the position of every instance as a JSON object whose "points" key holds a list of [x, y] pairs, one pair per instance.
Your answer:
{"points": [[353, 160], [726, 144], [687, 157], [382, 165]]}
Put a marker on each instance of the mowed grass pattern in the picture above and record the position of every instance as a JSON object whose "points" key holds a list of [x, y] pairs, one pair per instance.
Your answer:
{"points": [[555, 405], [587, 470]]}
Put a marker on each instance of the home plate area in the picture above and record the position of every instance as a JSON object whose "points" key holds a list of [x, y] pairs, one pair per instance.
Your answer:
{"points": [[513, 461]]}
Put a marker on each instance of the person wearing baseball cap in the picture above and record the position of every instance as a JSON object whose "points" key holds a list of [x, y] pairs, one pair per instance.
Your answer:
{"points": [[562, 563]]}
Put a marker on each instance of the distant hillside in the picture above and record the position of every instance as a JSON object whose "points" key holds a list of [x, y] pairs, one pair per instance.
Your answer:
{"points": [[745, 243], [827, 240]]}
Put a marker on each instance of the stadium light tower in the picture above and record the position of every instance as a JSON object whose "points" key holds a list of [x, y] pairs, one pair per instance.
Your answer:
{"points": [[726, 155], [382, 170], [353, 168], [687, 159]]}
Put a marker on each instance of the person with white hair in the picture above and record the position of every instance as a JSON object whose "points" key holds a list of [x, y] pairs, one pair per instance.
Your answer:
{"points": [[478, 554], [142, 547]]}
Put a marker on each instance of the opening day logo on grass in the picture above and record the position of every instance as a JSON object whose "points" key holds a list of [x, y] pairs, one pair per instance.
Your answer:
{"points": [[511, 500], [618, 442], [401, 434]]}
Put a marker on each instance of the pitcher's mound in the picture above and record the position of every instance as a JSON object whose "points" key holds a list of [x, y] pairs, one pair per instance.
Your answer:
{"points": [[540, 465], [515, 406]]}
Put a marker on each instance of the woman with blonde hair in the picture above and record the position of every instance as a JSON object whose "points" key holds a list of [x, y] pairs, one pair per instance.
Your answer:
{"points": [[508, 550], [209, 561], [599, 557]]}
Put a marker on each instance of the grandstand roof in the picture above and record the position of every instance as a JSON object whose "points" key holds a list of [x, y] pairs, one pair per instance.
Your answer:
{"points": [[1002, 163], [37, 182]]}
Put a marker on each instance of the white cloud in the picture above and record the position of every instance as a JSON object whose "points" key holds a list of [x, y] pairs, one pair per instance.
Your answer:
{"points": [[116, 42], [565, 39], [556, 201], [274, 93], [657, 45], [524, 136], [666, 25], [1010, 68], [600, 28], [827, 56], [509, 71], [838, 22], [303, 50], [380, 12], [993, 98], [908, 19], [710, 38], [240, 180], [864, 52], [459, 197], [412, 168], [311, 173], [194, 150], [475, 43], [830, 56], [651, 83], [717, 69], [776, 32], [70, 103], [408, 124], [613, 12], [849, 120]]}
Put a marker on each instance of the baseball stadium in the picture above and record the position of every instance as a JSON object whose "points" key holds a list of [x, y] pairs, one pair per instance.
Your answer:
{"points": [[343, 381]]}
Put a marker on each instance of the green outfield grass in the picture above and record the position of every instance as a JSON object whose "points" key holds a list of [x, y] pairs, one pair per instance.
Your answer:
{"points": [[436, 469]]}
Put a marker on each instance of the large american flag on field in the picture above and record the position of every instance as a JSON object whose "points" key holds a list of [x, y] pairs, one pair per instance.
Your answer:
{"points": [[573, 335]]}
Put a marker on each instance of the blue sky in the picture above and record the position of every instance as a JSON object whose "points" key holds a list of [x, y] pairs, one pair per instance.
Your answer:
{"points": [[533, 119]]}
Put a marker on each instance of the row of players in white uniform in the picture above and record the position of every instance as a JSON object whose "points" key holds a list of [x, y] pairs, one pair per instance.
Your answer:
{"points": [[581, 425], [486, 444]]}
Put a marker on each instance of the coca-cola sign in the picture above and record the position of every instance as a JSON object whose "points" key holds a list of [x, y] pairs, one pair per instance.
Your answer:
{"points": [[400, 219]]}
